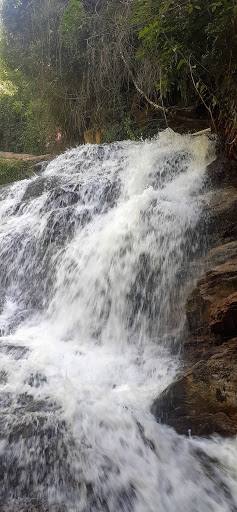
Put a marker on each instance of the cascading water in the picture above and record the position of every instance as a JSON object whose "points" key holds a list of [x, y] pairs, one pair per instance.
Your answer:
{"points": [[95, 262]]}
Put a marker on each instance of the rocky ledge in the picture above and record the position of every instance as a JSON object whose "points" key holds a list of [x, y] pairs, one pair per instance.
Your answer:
{"points": [[203, 399], [23, 157]]}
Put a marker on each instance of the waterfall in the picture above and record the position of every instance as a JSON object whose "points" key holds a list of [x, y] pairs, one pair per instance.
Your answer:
{"points": [[96, 259]]}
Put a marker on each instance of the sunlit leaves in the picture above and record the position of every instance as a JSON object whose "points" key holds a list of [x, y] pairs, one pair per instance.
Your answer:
{"points": [[73, 18], [181, 62], [7, 87]]}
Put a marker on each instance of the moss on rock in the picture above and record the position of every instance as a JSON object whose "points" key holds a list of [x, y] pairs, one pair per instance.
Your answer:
{"points": [[14, 166], [14, 170]]}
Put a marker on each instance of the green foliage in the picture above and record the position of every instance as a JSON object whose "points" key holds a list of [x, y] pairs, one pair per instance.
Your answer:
{"points": [[72, 49], [7, 87], [73, 65], [73, 18], [192, 47], [14, 170], [25, 120]]}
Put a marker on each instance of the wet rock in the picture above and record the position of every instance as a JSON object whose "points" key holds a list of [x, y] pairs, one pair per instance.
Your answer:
{"points": [[3, 377], [219, 255], [34, 189], [205, 299], [102, 195], [37, 380], [169, 165], [203, 399], [5, 400], [26, 487], [221, 211], [61, 198], [41, 166], [224, 319], [55, 229], [17, 352], [222, 172]]}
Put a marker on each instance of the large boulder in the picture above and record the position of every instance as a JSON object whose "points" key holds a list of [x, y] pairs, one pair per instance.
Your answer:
{"points": [[207, 298], [204, 399]]}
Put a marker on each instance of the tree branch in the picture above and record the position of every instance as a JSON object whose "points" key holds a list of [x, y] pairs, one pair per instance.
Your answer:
{"points": [[200, 96], [158, 107], [162, 109]]}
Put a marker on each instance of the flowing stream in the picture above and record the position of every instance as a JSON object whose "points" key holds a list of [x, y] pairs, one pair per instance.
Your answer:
{"points": [[96, 259]]}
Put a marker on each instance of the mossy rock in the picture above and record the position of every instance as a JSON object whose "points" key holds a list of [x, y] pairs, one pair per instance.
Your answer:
{"points": [[14, 166], [14, 170]]}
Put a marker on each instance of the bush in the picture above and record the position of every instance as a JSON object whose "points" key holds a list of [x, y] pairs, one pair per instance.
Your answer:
{"points": [[15, 170]]}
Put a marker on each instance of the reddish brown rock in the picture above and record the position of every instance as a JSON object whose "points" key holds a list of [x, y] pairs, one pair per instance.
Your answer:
{"points": [[224, 318], [209, 302], [205, 299], [204, 399], [218, 256]]}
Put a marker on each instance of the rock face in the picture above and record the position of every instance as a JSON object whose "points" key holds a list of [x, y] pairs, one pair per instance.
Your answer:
{"points": [[222, 214], [222, 172], [224, 319], [212, 291], [204, 398]]}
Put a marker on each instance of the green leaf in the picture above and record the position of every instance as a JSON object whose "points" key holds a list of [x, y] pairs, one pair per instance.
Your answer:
{"points": [[181, 62]]}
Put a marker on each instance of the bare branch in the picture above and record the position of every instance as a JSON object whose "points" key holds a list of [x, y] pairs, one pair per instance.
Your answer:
{"points": [[201, 132], [158, 107], [200, 96]]}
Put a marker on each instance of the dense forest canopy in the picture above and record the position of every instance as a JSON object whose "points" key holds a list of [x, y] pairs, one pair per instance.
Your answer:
{"points": [[68, 66]]}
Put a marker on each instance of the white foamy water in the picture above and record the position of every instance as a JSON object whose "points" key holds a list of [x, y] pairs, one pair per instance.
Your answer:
{"points": [[95, 267]]}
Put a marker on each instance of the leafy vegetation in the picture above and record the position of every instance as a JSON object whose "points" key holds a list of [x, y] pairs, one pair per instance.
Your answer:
{"points": [[14, 170], [194, 47], [68, 66], [25, 121]]}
